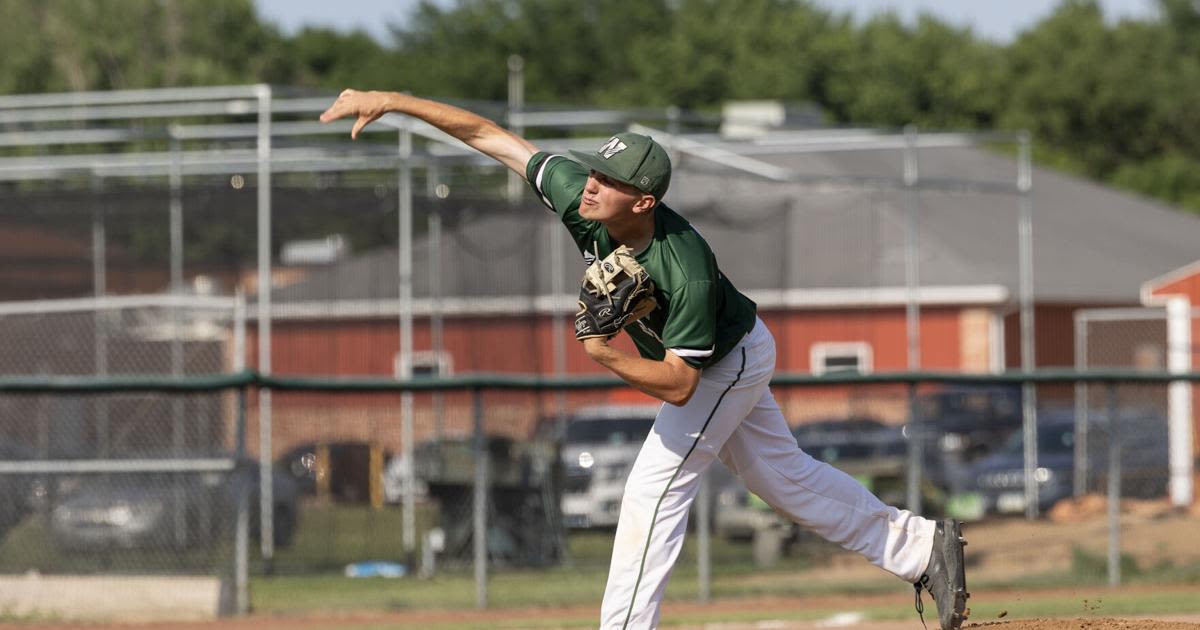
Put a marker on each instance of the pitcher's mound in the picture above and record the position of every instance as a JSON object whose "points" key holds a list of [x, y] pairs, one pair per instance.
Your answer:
{"points": [[1085, 624]]}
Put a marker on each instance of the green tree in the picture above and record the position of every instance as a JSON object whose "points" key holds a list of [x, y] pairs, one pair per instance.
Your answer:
{"points": [[333, 60], [931, 74], [574, 51], [62, 45], [709, 51], [1172, 177], [1116, 101], [1088, 89], [1182, 19]]}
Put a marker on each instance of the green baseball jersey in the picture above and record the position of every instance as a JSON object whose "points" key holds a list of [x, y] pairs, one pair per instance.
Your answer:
{"points": [[700, 315]]}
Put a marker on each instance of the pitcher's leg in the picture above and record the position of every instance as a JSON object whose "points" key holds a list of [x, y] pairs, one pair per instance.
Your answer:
{"points": [[661, 486], [650, 531], [763, 452]]}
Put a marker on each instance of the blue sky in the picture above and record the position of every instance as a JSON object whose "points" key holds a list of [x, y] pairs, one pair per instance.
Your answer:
{"points": [[998, 20]]}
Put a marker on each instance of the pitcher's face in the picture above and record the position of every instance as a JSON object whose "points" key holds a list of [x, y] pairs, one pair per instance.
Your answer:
{"points": [[605, 199]]}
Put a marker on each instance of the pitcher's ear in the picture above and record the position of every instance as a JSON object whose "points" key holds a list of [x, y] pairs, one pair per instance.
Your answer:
{"points": [[645, 203]]}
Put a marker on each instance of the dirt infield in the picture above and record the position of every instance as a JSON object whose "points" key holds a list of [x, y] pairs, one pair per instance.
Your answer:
{"points": [[1099, 623], [1102, 623], [677, 616], [1088, 624]]}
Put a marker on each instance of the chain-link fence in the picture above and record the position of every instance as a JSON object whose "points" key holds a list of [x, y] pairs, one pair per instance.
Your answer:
{"points": [[404, 255], [124, 482], [1156, 338], [543, 489]]}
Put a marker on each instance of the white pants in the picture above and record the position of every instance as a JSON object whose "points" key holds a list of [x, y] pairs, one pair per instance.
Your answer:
{"points": [[733, 416]]}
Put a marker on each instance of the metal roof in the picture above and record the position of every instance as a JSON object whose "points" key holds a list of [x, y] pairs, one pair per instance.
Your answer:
{"points": [[1092, 244]]}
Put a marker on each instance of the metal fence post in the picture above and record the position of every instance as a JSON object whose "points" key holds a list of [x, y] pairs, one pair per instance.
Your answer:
{"points": [[178, 437], [404, 292], [436, 322], [480, 504], [100, 319], [241, 551], [916, 452], [1114, 489], [912, 253], [1028, 346], [1080, 479], [241, 531], [265, 489], [516, 106]]}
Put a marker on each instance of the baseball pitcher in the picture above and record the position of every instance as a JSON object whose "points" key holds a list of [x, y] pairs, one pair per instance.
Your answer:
{"points": [[703, 351]]}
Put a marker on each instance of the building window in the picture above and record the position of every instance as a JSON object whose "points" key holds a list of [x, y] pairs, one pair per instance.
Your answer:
{"points": [[1149, 356], [426, 364], [840, 356]]}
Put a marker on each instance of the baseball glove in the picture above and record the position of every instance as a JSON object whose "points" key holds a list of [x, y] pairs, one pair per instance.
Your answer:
{"points": [[616, 292]]}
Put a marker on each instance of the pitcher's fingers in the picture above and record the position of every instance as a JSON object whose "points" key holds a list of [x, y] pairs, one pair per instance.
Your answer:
{"points": [[341, 107], [335, 111], [362, 121]]}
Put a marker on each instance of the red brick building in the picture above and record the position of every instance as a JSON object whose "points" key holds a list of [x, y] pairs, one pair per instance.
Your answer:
{"points": [[826, 267]]}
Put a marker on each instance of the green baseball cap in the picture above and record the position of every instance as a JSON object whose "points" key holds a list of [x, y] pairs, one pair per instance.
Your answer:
{"points": [[631, 158]]}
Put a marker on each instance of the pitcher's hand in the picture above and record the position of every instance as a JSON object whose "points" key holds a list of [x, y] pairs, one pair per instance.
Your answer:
{"points": [[366, 106]]}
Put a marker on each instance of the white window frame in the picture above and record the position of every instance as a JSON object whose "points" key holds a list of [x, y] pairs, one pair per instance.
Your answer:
{"points": [[440, 361], [821, 351]]}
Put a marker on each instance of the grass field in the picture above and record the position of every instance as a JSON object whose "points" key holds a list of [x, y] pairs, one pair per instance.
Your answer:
{"points": [[564, 587], [332, 537], [310, 587], [796, 590]]}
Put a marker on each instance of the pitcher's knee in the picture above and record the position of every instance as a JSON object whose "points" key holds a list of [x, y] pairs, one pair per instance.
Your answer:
{"points": [[640, 493]]}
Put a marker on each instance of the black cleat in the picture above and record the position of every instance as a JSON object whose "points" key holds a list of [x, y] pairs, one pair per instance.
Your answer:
{"points": [[945, 578]]}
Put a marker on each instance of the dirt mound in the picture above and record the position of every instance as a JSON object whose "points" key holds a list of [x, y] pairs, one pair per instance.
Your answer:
{"points": [[1085, 624], [1094, 506], [1013, 548]]}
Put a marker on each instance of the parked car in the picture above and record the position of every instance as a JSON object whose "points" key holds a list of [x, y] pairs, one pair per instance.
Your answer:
{"points": [[960, 424], [871, 451], [969, 420], [523, 496], [978, 413], [348, 466], [597, 448], [177, 510], [999, 479], [15, 489], [874, 453]]}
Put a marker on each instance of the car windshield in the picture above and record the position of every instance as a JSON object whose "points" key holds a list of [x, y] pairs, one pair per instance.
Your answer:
{"points": [[1057, 438], [971, 402], [608, 430], [850, 440]]}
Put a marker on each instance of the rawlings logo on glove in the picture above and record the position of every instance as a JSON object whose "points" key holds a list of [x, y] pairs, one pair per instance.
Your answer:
{"points": [[616, 292]]}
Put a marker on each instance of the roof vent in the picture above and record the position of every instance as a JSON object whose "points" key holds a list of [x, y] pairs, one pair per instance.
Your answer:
{"points": [[321, 251]]}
